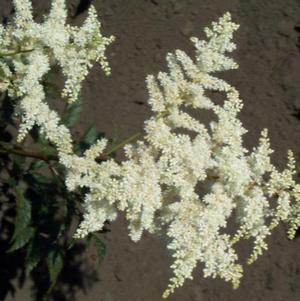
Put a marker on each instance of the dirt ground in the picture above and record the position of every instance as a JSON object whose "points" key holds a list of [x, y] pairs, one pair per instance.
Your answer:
{"points": [[268, 81]]}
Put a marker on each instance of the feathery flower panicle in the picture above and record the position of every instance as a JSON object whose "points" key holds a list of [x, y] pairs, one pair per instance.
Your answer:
{"points": [[100, 201], [231, 177], [33, 48], [183, 186], [87, 46], [23, 14]]}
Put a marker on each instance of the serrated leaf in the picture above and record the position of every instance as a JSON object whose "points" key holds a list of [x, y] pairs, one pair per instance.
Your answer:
{"points": [[22, 231], [33, 257], [72, 114], [21, 239], [55, 264], [100, 246], [23, 212]]}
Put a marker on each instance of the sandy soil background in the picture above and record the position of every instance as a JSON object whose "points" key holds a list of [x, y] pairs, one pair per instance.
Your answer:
{"points": [[268, 81]]}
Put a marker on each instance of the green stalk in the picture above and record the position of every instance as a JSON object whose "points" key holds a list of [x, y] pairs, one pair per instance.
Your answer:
{"points": [[122, 144], [16, 150], [11, 53]]}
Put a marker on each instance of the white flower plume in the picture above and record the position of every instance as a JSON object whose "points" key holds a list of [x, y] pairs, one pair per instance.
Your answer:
{"points": [[186, 179]]}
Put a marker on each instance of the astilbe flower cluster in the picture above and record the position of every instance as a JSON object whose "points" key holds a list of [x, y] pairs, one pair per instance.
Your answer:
{"points": [[39, 46], [185, 179]]}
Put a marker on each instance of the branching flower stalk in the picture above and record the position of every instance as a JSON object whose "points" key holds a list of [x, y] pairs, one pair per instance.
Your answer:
{"points": [[173, 183]]}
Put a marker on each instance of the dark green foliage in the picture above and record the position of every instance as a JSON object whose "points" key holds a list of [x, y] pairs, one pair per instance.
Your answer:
{"points": [[34, 255], [37, 164], [22, 238], [90, 136], [72, 114], [87, 139], [23, 232], [38, 215], [55, 262]]}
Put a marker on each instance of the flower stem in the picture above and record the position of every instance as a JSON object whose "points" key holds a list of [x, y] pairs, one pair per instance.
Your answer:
{"points": [[11, 53], [123, 143], [9, 148]]}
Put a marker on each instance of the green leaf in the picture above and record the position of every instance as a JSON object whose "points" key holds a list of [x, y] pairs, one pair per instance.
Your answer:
{"points": [[23, 214], [72, 114], [22, 232], [21, 239], [39, 178], [100, 246], [88, 138], [38, 164], [33, 257], [55, 262]]}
